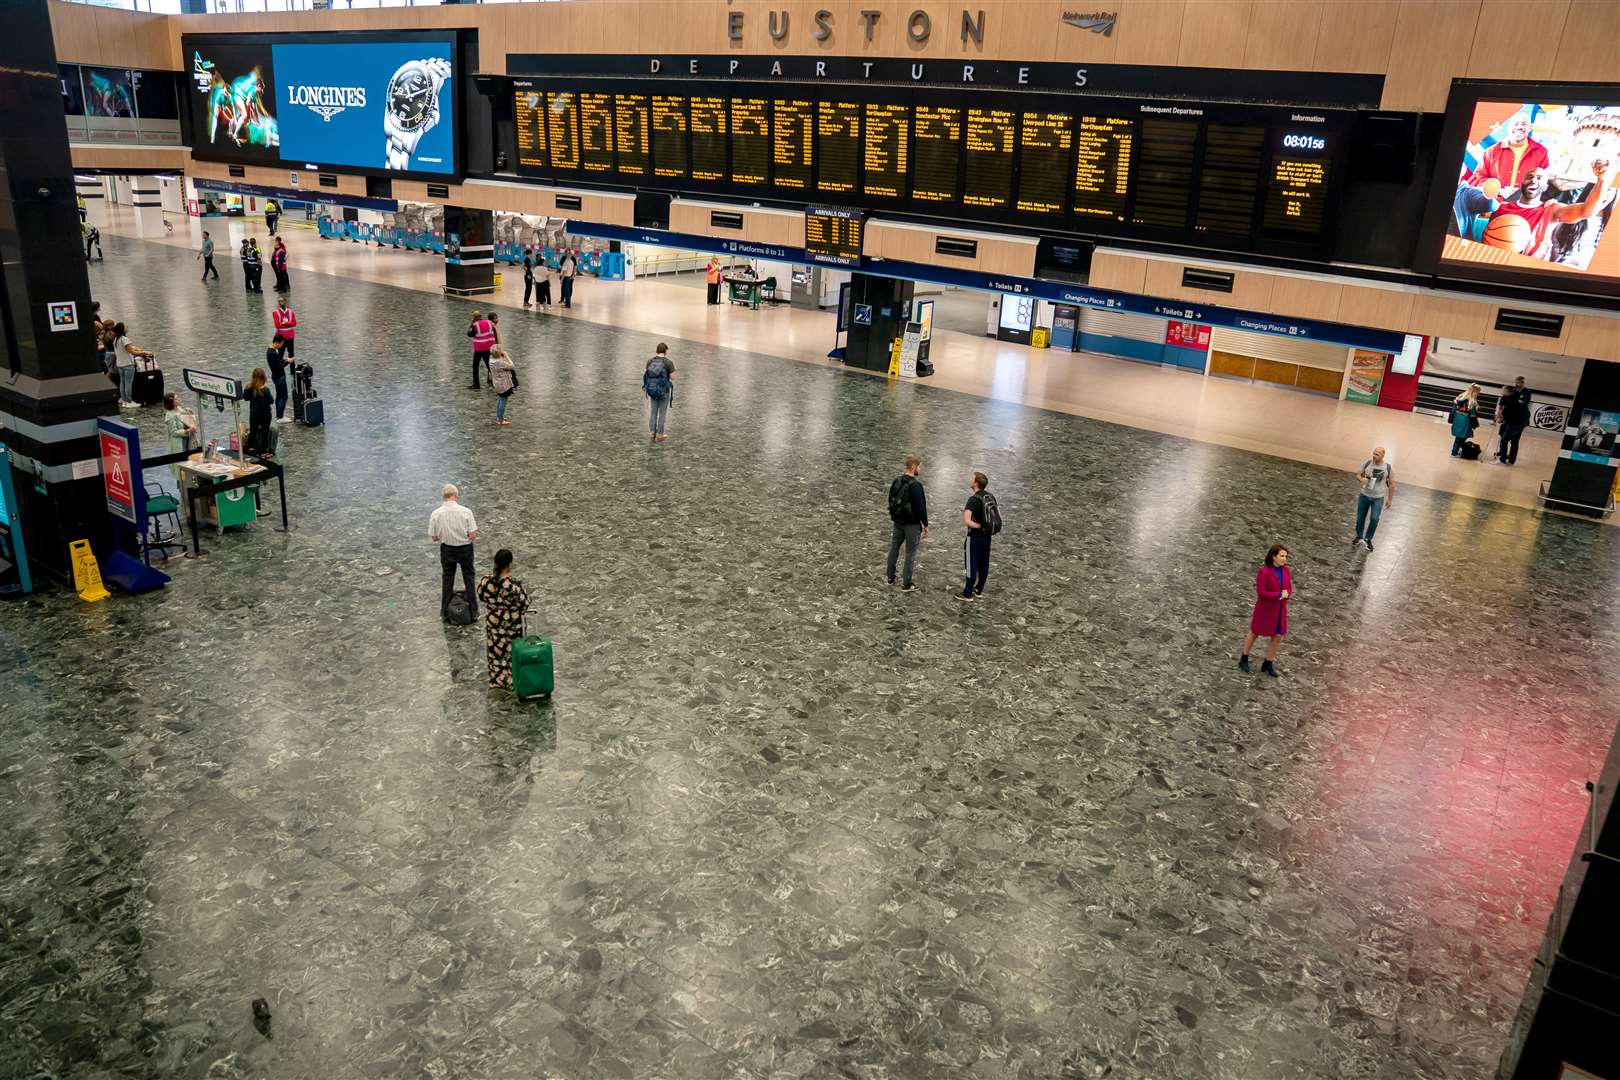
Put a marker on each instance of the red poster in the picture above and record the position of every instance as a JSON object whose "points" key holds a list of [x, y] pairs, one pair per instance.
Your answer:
{"points": [[1187, 335], [115, 476]]}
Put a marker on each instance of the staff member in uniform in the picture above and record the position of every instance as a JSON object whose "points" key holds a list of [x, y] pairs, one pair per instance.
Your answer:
{"points": [[716, 276], [272, 214], [286, 323], [278, 263]]}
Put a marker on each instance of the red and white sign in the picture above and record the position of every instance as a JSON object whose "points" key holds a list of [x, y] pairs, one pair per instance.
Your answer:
{"points": [[1187, 335], [116, 478]]}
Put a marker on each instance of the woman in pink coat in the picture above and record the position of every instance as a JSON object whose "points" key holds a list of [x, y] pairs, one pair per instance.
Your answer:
{"points": [[1273, 587]]}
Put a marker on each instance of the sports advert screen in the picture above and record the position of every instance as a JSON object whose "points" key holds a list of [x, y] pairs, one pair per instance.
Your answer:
{"points": [[381, 105], [1537, 190]]}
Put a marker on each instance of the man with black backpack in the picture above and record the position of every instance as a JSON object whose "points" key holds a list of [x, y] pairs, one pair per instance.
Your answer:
{"points": [[908, 510], [658, 382], [982, 517]]}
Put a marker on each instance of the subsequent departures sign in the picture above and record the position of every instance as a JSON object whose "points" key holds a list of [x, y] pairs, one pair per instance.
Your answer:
{"points": [[833, 235]]}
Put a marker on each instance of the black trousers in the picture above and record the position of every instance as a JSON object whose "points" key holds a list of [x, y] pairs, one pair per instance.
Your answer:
{"points": [[270, 222], [528, 289], [714, 292], [568, 292], [545, 293], [282, 284], [976, 559], [208, 268], [1509, 450], [290, 345], [279, 380], [481, 355], [450, 557]]}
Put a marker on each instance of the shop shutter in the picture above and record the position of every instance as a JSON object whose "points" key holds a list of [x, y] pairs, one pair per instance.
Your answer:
{"points": [[1120, 324], [1285, 350]]}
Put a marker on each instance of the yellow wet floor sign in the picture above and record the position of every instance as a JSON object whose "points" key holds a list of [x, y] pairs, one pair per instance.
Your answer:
{"points": [[86, 572]]}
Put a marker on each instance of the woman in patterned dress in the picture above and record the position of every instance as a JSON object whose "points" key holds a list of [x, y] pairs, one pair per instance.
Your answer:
{"points": [[504, 601]]}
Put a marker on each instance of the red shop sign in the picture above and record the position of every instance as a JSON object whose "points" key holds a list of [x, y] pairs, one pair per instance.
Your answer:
{"points": [[1187, 335]]}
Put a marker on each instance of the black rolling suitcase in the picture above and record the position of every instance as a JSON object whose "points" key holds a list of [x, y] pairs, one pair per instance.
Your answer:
{"points": [[307, 408], [147, 387]]}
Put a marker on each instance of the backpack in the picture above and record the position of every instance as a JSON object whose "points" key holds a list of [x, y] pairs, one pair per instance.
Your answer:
{"points": [[992, 514], [457, 612], [655, 380], [902, 508]]}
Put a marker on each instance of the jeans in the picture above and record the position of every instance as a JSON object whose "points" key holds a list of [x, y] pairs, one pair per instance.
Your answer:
{"points": [[976, 560], [500, 405], [1509, 450], [909, 535], [1468, 203], [1368, 510], [1457, 444], [126, 383], [280, 383], [660, 412], [450, 557], [481, 355], [568, 292]]}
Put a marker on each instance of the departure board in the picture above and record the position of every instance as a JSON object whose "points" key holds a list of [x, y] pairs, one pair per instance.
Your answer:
{"points": [[1296, 197], [669, 136], [531, 130], [936, 149], [1234, 160], [750, 140], [792, 137], [1230, 175], [1164, 172], [988, 148], [833, 235], [838, 146], [1044, 139], [1102, 167], [562, 129], [632, 141], [886, 150], [709, 138]]}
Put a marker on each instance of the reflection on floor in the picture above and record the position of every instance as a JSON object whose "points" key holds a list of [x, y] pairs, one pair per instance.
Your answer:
{"points": [[781, 820], [1269, 420]]}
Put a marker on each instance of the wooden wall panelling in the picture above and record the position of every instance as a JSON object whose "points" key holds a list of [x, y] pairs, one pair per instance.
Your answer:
{"points": [[121, 157], [1225, 363], [73, 26], [1150, 31], [1032, 30], [1282, 34], [1162, 279], [1250, 292], [1432, 42], [1305, 298], [1379, 309], [1275, 371], [1586, 49], [1442, 316], [1517, 39], [1213, 33], [1322, 380], [1592, 336], [1071, 44], [1119, 272], [1356, 37]]}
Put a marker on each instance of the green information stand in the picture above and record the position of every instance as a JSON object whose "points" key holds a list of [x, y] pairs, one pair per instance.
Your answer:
{"points": [[236, 507]]}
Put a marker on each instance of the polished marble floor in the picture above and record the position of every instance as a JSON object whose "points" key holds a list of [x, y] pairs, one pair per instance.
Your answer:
{"points": [[781, 821]]}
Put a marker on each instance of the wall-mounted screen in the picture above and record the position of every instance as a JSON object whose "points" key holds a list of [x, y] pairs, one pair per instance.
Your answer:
{"points": [[834, 235], [1237, 176], [383, 103], [1525, 190]]}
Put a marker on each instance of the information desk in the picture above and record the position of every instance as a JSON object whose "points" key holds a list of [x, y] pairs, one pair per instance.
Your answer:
{"points": [[210, 479], [744, 290]]}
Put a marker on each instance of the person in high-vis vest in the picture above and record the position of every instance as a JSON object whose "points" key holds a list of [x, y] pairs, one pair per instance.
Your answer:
{"points": [[484, 336], [715, 277]]}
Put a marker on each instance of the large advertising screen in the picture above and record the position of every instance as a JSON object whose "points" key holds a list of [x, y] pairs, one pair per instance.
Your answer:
{"points": [[374, 103], [1526, 188]]}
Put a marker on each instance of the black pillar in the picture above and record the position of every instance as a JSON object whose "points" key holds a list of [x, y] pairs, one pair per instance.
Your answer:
{"points": [[469, 250], [1584, 474], [885, 305], [53, 389]]}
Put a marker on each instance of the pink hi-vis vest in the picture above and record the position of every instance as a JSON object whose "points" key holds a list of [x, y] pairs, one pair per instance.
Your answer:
{"points": [[285, 321], [483, 335]]}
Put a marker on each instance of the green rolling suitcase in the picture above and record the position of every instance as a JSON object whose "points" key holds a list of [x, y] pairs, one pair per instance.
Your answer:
{"points": [[532, 674]]}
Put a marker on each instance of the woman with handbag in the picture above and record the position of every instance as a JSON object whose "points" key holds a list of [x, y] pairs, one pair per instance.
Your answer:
{"points": [[1273, 588], [503, 377]]}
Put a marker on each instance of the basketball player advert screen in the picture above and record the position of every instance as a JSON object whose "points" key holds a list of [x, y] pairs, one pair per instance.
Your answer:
{"points": [[1536, 191]]}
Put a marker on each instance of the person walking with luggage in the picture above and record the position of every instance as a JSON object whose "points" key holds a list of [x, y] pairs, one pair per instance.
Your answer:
{"points": [[503, 377], [1377, 491], [484, 338], [528, 279], [92, 239], [285, 320], [272, 214], [982, 520], [1515, 409], [908, 520], [257, 393], [125, 353], [505, 601], [1464, 419], [567, 270], [716, 276], [206, 254], [454, 529], [278, 264], [658, 382], [1273, 588], [275, 358]]}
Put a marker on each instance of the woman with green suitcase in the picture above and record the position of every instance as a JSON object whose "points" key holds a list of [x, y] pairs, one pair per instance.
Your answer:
{"points": [[504, 601]]}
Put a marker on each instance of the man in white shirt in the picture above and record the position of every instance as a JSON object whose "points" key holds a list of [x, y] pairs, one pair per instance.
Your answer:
{"points": [[567, 270], [454, 529]]}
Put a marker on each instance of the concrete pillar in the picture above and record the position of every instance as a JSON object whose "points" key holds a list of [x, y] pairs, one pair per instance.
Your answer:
{"points": [[53, 389], [94, 194], [148, 198]]}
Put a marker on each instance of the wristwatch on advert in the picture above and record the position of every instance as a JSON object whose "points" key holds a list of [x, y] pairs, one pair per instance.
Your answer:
{"points": [[412, 107]]}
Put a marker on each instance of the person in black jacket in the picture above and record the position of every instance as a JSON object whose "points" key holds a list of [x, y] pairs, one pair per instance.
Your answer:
{"points": [[1515, 418], [908, 513], [528, 279], [260, 406]]}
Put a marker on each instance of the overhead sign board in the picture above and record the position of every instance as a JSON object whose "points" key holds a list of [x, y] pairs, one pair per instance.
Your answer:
{"points": [[206, 382]]}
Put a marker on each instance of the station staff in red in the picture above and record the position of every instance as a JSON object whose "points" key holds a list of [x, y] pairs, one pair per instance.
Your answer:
{"points": [[286, 323]]}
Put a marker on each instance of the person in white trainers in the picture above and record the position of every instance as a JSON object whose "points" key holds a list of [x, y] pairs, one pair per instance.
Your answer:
{"points": [[1377, 491], [125, 353]]}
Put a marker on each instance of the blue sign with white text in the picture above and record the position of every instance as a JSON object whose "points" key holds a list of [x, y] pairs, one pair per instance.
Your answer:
{"points": [[384, 105]]}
